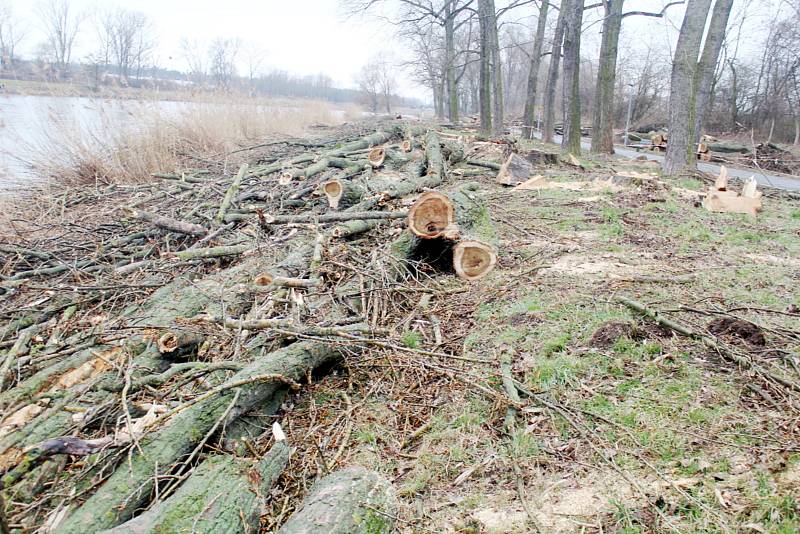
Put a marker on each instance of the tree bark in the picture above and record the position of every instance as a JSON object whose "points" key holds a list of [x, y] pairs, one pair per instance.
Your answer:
{"points": [[680, 154], [603, 115], [529, 114], [350, 501], [128, 488], [552, 76], [485, 87], [450, 58], [497, 70], [223, 495], [704, 78], [571, 139]]}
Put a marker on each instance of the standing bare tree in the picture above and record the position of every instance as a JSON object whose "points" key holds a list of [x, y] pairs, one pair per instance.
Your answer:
{"points": [[131, 40], [368, 80], [528, 116], [704, 79], [485, 84], [603, 113], [253, 55], [11, 35], [222, 61], [60, 23], [194, 54], [571, 139], [681, 96], [552, 75]]}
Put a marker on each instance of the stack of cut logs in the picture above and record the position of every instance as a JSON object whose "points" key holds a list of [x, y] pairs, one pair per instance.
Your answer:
{"points": [[658, 143], [118, 373]]}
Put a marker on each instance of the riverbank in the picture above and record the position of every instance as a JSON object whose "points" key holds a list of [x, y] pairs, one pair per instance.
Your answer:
{"points": [[629, 365]]}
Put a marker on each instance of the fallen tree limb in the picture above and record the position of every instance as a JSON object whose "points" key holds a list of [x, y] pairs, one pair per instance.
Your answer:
{"points": [[330, 217], [224, 495], [708, 341], [211, 252], [127, 489], [168, 223], [352, 500], [230, 194]]}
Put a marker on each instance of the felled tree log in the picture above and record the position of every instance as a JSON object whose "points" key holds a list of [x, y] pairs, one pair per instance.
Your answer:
{"points": [[376, 156], [224, 495], [350, 501], [434, 173], [458, 217], [175, 344], [168, 223], [729, 148], [342, 193], [128, 488], [432, 215], [514, 170]]}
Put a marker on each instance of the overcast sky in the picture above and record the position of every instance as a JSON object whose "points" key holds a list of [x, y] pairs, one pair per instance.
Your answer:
{"points": [[314, 36]]}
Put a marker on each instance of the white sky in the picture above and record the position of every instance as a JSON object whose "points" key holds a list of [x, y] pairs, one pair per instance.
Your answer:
{"points": [[313, 36]]}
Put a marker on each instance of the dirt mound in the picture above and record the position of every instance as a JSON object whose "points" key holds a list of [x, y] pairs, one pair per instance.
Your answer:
{"points": [[610, 332], [746, 331]]}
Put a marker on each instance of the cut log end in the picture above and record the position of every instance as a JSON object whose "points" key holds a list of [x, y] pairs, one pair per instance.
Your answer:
{"points": [[432, 216], [168, 343], [263, 279], [473, 259], [333, 190], [406, 146], [285, 178], [377, 156]]}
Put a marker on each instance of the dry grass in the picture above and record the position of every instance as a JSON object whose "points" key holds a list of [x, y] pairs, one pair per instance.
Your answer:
{"points": [[129, 147]]}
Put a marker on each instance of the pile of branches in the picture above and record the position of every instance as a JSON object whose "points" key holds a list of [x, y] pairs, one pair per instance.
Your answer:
{"points": [[143, 328]]}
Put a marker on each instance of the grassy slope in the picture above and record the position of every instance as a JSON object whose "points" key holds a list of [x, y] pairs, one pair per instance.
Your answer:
{"points": [[710, 454]]}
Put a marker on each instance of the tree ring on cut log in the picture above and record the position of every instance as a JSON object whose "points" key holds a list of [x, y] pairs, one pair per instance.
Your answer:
{"points": [[285, 178], [431, 216], [376, 156], [333, 191], [263, 279], [473, 259]]}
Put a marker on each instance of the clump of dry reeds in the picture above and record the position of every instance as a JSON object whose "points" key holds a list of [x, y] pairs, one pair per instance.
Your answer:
{"points": [[129, 147]]}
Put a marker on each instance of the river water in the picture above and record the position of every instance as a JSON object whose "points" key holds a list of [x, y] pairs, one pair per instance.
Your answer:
{"points": [[29, 123]]}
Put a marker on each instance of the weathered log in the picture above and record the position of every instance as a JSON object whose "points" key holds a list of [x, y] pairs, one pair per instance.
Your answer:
{"points": [[224, 495], [353, 500], [475, 255], [168, 223], [342, 193]]}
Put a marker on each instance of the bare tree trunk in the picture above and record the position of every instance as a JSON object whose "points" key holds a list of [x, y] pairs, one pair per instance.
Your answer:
{"points": [[704, 79], [734, 95], [571, 139], [529, 115], [497, 68], [552, 77], [450, 54], [485, 90], [603, 115], [797, 129], [681, 97]]}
